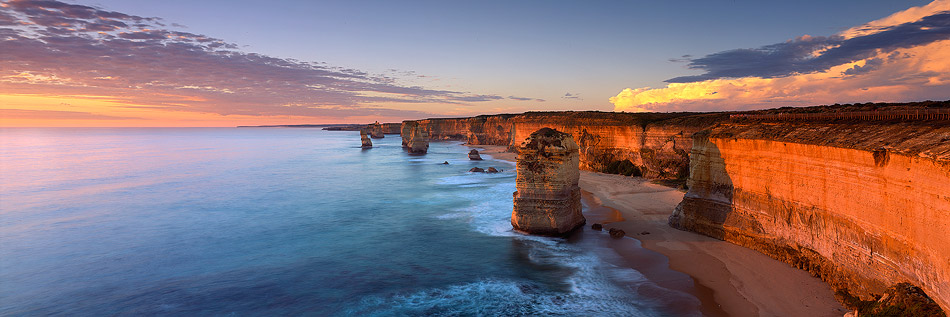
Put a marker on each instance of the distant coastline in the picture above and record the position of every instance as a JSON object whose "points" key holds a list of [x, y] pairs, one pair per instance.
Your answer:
{"points": [[329, 127]]}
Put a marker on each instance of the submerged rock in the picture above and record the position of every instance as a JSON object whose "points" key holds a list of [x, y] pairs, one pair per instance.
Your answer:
{"points": [[597, 226], [418, 141], [477, 170], [366, 141], [445, 163], [376, 130], [616, 233], [548, 200], [473, 155], [491, 170]]}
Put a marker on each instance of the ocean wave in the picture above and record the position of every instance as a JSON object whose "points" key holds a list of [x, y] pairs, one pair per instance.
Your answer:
{"points": [[499, 297]]}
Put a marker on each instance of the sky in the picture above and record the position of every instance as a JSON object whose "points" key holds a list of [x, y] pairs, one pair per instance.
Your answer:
{"points": [[227, 63]]}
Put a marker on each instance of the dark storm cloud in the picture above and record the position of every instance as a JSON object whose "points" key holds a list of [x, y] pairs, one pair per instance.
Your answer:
{"points": [[799, 56]]}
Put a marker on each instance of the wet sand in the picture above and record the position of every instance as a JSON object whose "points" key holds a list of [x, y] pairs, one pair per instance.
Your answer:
{"points": [[728, 279]]}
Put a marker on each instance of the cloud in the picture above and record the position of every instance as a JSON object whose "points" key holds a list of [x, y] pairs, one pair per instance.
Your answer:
{"points": [[809, 54], [907, 57], [66, 49], [571, 96], [56, 115]]}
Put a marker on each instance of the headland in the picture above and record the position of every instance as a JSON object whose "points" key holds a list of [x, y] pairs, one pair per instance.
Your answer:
{"points": [[856, 195]]}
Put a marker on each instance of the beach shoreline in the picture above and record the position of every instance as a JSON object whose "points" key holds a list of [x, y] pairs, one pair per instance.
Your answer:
{"points": [[728, 279]]}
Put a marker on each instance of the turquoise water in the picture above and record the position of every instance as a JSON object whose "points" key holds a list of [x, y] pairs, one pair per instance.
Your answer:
{"points": [[271, 221]]}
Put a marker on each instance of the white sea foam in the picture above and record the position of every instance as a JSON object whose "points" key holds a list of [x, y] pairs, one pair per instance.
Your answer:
{"points": [[499, 298], [593, 287]]}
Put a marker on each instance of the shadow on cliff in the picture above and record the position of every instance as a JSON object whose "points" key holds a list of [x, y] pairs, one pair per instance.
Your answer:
{"points": [[707, 208]]}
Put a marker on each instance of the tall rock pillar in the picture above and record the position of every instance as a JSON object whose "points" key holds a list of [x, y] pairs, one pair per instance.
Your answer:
{"points": [[418, 141], [548, 200], [365, 138]]}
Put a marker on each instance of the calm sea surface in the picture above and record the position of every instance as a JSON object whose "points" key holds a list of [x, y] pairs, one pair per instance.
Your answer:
{"points": [[271, 221]]}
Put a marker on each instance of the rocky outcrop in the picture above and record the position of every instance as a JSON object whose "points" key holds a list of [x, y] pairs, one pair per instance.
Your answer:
{"points": [[418, 142], [548, 198], [473, 155], [376, 130], [477, 170], [616, 233], [655, 145], [406, 130], [365, 138], [863, 205]]}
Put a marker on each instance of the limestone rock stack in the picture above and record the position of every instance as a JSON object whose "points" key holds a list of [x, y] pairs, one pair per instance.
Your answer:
{"points": [[548, 200], [376, 130], [405, 132], [365, 138], [473, 155], [418, 141]]}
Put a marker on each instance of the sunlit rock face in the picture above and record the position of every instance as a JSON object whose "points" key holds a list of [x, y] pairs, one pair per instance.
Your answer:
{"points": [[418, 141], [376, 130], [405, 131], [365, 138], [548, 199], [391, 128], [657, 143], [862, 205]]}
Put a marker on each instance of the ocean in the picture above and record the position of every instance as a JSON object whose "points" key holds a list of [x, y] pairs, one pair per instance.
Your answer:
{"points": [[280, 221]]}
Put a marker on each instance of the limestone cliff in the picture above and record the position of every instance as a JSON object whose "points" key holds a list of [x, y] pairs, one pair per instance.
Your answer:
{"points": [[861, 204], [656, 143], [376, 130], [548, 200], [391, 128]]}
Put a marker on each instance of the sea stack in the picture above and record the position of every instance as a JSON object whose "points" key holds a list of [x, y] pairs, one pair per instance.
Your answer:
{"points": [[366, 141], [405, 132], [473, 155], [548, 200], [418, 141], [376, 130]]}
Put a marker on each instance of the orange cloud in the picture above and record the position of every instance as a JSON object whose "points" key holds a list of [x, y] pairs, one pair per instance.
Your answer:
{"points": [[72, 50], [891, 73], [909, 15]]}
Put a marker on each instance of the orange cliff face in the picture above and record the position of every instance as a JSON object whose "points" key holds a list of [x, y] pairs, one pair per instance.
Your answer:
{"points": [[862, 205], [656, 143]]}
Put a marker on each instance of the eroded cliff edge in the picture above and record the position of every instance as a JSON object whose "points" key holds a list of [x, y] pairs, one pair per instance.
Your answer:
{"points": [[863, 205], [657, 144]]}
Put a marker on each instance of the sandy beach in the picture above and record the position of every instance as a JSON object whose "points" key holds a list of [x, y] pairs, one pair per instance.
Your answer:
{"points": [[728, 279]]}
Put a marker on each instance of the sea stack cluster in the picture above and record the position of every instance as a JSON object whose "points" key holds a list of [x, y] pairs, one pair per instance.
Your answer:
{"points": [[365, 138], [376, 130], [418, 141], [548, 200]]}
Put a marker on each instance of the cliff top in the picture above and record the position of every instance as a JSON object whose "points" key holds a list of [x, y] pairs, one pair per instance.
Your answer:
{"points": [[604, 118], [698, 119], [870, 106], [929, 139]]}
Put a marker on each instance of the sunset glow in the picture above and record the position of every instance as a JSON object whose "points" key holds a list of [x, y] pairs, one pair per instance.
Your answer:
{"points": [[878, 70], [65, 64]]}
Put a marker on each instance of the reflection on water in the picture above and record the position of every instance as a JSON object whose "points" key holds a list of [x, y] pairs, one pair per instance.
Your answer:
{"points": [[276, 222]]}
